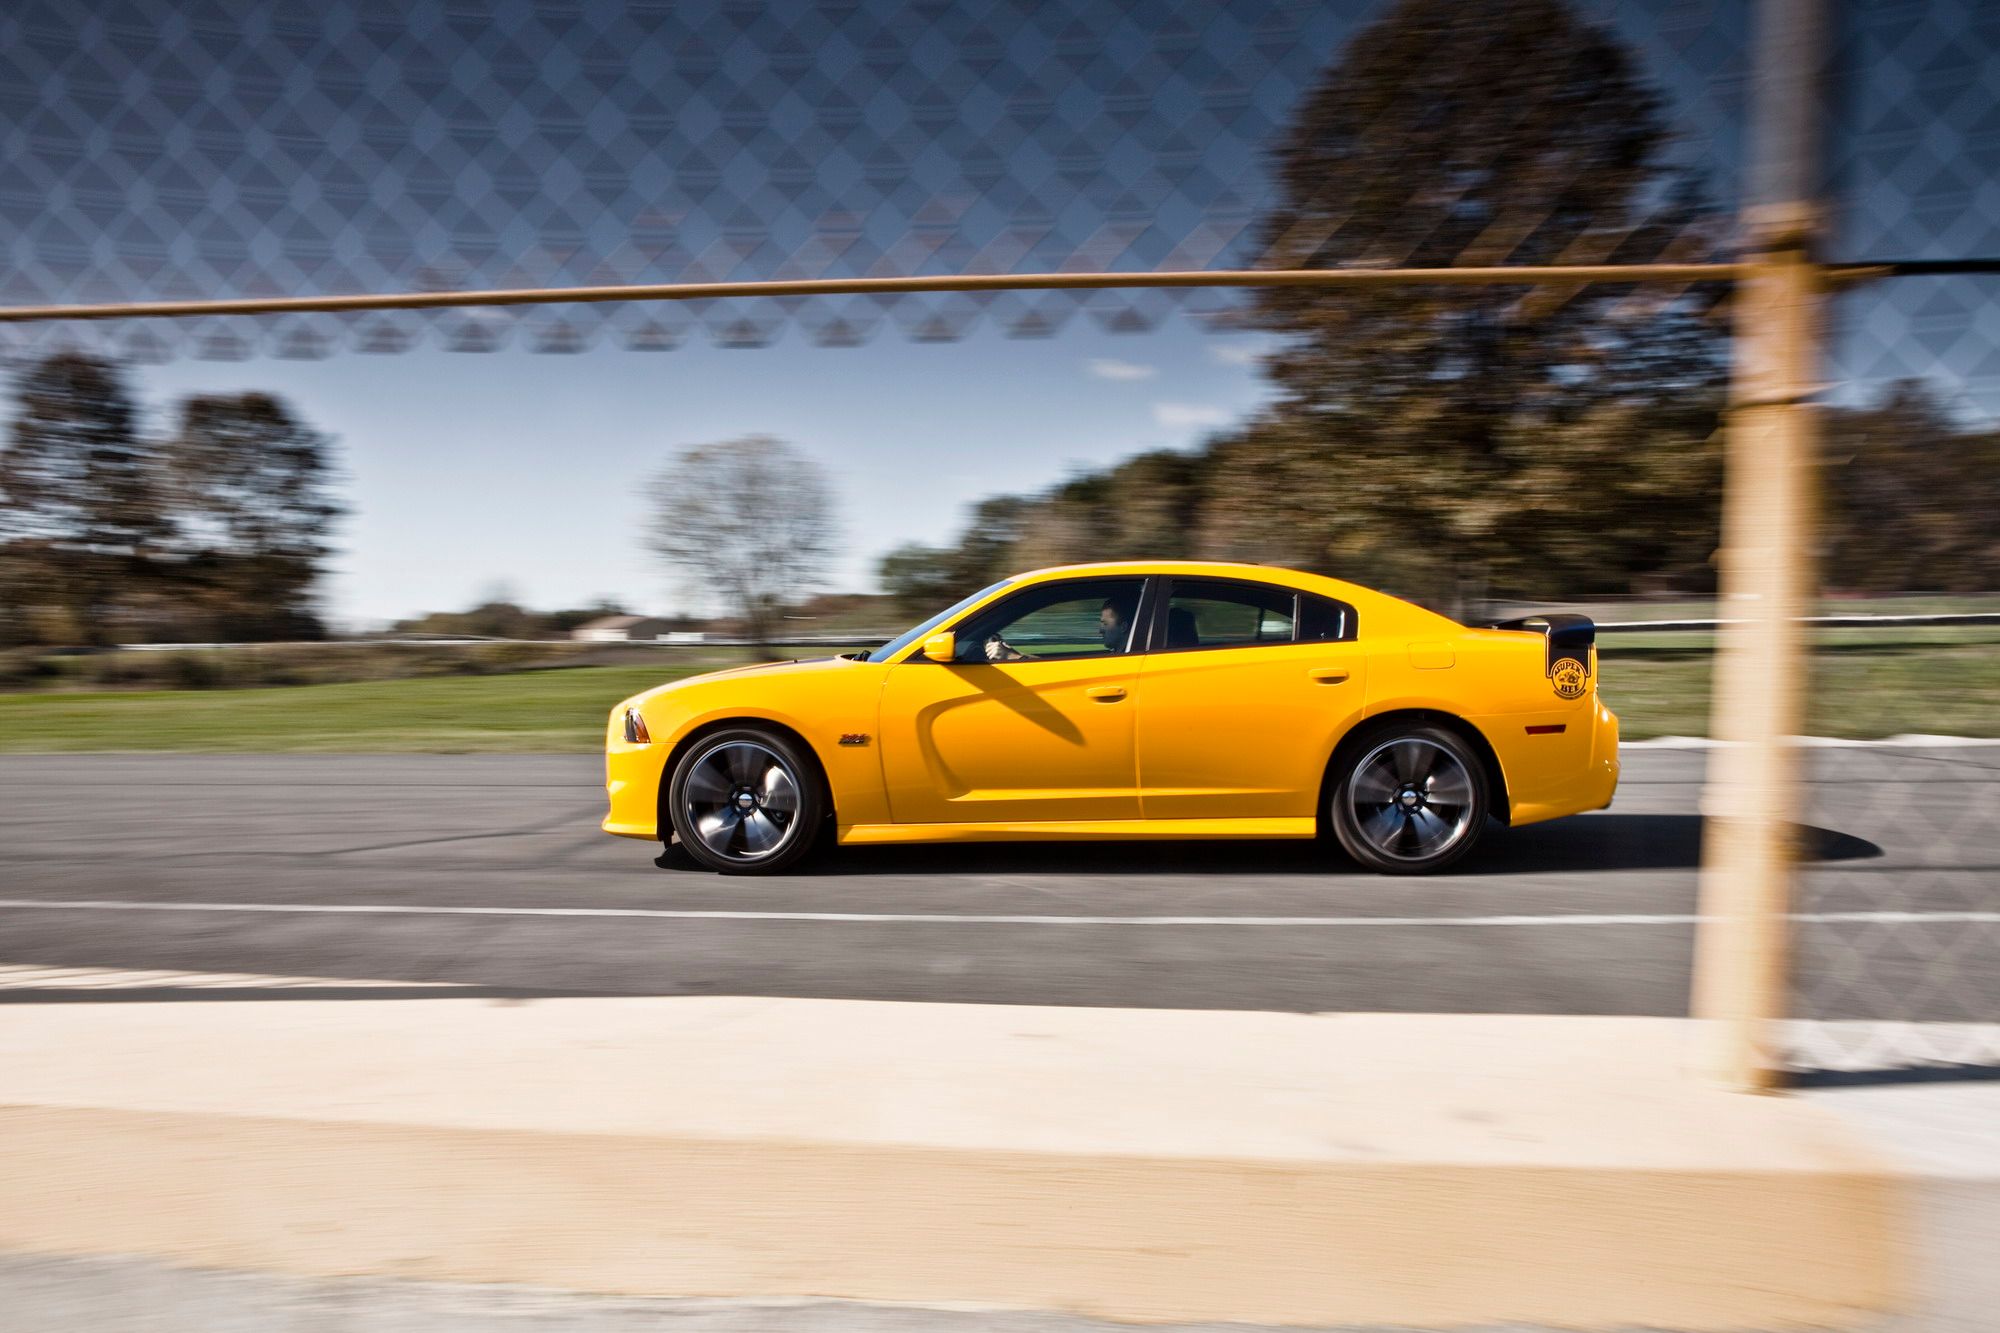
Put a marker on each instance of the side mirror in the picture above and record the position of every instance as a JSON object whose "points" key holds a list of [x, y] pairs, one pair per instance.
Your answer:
{"points": [[941, 647]]}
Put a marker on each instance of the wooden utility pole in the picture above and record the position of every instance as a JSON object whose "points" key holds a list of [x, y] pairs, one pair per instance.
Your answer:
{"points": [[1769, 547]]}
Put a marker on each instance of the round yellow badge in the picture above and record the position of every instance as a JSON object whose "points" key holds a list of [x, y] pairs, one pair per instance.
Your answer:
{"points": [[1568, 678]]}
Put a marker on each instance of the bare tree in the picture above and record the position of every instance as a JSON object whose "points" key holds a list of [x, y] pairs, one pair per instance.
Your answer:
{"points": [[748, 522]]}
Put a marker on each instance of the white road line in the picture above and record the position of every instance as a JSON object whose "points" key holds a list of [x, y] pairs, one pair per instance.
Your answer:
{"points": [[964, 919], [1905, 741], [32, 976]]}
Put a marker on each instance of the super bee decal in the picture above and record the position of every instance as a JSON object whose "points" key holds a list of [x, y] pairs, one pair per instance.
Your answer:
{"points": [[1568, 677]]}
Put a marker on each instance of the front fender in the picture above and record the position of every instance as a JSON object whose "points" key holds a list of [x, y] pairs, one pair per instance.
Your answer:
{"points": [[833, 711]]}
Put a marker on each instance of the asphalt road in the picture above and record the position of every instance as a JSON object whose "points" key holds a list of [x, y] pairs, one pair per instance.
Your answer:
{"points": [[489, 872]]}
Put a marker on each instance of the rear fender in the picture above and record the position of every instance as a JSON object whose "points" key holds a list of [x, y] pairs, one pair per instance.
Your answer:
{"points": [[1571, 655]]}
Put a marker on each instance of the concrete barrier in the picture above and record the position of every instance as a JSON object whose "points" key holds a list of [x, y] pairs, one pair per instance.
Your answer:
{"points": [[1410, 1170]]}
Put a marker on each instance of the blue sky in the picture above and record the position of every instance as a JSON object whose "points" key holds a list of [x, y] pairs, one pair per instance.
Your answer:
{"points": [[470, 472]]}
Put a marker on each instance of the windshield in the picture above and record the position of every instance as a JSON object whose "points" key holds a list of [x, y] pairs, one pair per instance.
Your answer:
{"points": [[910, 636]]}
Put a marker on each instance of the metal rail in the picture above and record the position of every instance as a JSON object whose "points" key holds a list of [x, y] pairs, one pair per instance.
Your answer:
{"points": [[869, 638], [1524, 275], [1810, 622], [965, 282]]}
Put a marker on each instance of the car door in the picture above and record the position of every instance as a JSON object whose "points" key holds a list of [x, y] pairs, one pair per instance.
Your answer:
{"points": [[1243, 693], [1038, 728]]}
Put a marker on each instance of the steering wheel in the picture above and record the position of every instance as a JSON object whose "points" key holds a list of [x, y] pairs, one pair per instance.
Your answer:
{"points": [[996, 649]]}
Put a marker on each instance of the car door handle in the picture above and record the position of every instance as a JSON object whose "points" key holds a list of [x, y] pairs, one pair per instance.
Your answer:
{"points": [[1106, 694], [1328, 675]]}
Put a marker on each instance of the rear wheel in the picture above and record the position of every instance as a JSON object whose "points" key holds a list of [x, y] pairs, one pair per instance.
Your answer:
{"points": [[1412, 800], [746, 801]]}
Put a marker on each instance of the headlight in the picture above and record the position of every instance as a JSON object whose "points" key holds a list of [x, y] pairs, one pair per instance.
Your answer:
{"points": [[635, 728]]}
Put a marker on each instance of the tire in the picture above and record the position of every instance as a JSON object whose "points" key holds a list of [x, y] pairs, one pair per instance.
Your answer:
{"points": [[747, 801], [1411, 799]]}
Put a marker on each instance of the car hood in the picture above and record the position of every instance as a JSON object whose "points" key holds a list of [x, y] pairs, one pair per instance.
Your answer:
{"points": [[741, 672]]}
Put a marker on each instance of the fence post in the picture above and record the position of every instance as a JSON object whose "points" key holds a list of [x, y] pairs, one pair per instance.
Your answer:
{"points": [[1751, 801]]}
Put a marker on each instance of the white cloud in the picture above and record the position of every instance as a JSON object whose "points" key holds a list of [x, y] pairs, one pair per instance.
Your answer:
{"points": [[1189, 416], [1107, 369], [1235, 354]]}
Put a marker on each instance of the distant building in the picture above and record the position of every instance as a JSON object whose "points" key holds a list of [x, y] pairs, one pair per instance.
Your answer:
{"points": [[621, 629]]}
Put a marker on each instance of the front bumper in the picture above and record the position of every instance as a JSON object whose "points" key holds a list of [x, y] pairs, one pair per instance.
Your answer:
{"points": [[631, 782]]}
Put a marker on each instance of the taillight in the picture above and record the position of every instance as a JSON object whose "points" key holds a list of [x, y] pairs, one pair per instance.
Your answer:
{"points": [[635, 729]]}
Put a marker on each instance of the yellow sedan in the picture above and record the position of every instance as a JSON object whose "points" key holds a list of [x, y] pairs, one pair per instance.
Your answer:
{"points": [[1131, 700]]}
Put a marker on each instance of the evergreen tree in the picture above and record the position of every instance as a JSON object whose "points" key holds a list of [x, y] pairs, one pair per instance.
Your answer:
{"points": [[251, 481], [81, 509], [1421, 423]]}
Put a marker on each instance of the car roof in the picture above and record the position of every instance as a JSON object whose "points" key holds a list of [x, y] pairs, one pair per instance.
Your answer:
{"points": [[1210, 568], [1291, 578]]}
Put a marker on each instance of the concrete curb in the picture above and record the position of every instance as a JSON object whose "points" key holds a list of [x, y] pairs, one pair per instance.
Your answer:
{"points": [[1350, 1170], [1946, 1138]]}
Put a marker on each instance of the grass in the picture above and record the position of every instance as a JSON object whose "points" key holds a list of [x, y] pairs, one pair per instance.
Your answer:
{"points": [[1866, 683], [1942, 682], [533, 711], [259, 666]]}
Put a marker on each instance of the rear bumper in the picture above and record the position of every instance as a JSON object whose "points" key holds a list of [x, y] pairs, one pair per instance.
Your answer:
{"points": [[1555, 773], [1604, 755]]}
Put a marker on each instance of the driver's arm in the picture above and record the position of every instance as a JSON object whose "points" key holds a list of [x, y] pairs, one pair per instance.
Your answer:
{"points": [[997, 649]]}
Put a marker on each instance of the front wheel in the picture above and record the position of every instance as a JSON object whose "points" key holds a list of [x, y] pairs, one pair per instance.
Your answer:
{"points": [[746, 801], [1412, 800]]}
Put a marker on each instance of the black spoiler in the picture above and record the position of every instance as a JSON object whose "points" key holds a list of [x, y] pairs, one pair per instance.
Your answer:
{"points": [[1569, 635]]}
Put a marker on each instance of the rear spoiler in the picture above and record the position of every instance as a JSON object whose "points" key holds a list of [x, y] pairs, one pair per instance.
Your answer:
{"points": [[1569, 636]]}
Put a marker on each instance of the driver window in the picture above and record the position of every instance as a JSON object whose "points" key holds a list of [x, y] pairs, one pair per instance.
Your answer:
{"points": [[1073, 618]]}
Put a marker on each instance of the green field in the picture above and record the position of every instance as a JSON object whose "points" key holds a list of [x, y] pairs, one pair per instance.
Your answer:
{"points": [[1866, 683], [1943, 682], [533, 711]]}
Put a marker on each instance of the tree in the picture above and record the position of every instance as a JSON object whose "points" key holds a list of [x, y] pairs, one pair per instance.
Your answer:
{"points": [[1912, 498], [1452, 133], [561, 622], [1450, 443], [922, 579], [1453, 442], [1145, 507], [503, 618], [216, 531], [748, 521], [251, 482], [81, 508]]}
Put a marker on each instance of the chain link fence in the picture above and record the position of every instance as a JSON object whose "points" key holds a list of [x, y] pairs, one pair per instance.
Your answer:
{"points": [[166, 150], [175, 149], [1897, 954], [1898, 950]]}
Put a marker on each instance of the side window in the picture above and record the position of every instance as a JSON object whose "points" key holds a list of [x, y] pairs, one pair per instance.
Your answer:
{"points": [[1073, 618], [1206, 613], [1323, 620], [1216, 613]]}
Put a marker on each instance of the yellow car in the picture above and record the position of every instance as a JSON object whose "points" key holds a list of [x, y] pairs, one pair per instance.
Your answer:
{"points": [[1131, 700]]}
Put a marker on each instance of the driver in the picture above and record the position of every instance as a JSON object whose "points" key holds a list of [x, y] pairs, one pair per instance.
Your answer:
{"points": [[1114, 627]]}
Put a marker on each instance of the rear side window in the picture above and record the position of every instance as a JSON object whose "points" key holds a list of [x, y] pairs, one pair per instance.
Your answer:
{"points": [[1219, 613], [1323, 620]]}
